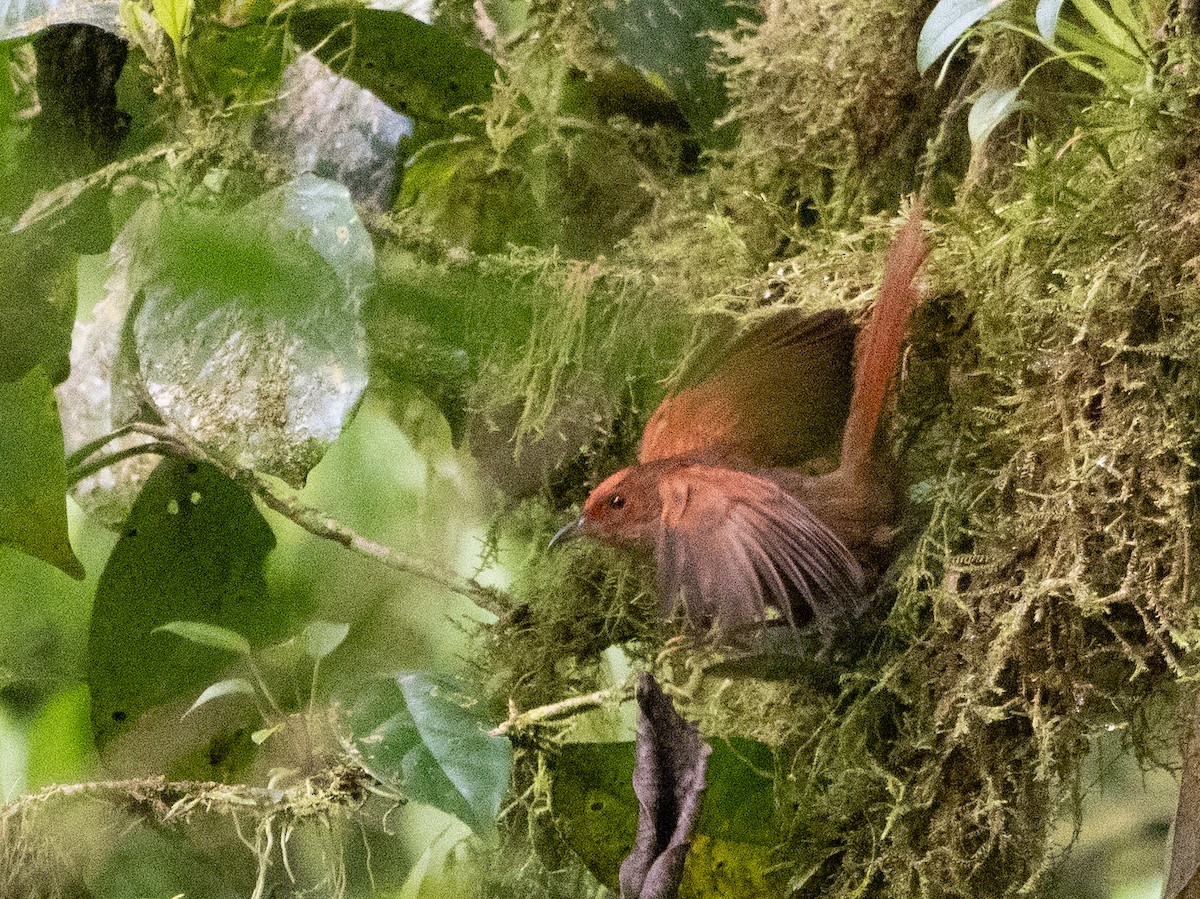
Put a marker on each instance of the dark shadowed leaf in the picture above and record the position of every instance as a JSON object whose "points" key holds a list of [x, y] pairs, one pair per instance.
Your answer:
{"points": [[192, 549], [424, 737], [668, 43], [671, 761], [33, 480], [419, 70], [248, 337], [37, 305]]}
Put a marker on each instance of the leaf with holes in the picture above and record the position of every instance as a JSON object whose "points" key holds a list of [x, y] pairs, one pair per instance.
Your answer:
{"points": [[594, 805], [192, 550]]}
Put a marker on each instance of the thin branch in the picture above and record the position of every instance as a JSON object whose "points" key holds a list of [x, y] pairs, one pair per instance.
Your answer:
{"points": [[561, 709], [284, 501], [78, 457], [162, 448]]}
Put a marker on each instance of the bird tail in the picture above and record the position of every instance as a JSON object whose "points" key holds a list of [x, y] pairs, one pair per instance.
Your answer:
{"points": [[881, 341]]}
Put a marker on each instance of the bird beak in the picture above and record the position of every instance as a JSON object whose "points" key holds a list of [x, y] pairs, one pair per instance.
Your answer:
{"points": [[567, 532]]}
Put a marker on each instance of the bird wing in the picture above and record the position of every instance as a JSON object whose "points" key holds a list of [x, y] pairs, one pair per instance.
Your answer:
{"points": [[730, 543], [779, 396]]}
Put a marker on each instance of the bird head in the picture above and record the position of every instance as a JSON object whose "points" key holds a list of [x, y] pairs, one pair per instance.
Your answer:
{"points": [[625, 507]]}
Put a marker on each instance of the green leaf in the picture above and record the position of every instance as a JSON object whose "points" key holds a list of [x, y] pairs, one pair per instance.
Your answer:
{"points": [[1117, 67], [1108, 29], [323, 637], [1047, 18], [242, 63], [261, 736], [419, 70], [21, 18], [424, 737], [33, 478], [37, 305], [948, 22], [172, 15], [248, 337], [594, 805], [219, 689], [992, 108], [450, 866], [207, 635], [668, 41], [192, 549]]}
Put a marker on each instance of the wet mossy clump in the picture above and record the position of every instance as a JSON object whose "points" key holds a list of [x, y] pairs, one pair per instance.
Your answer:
{"points": [[1043, 593]]}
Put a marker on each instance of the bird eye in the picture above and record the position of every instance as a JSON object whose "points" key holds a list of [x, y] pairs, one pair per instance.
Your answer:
{"points": [[617, 501]]}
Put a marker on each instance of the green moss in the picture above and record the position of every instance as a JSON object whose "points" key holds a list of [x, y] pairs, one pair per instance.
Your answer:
{"points": [[830, 109]]}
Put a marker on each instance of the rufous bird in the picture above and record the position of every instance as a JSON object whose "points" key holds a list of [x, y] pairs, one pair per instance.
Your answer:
{"points": [[737, 523]]}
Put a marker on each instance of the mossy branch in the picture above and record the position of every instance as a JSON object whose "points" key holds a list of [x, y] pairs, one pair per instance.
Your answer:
{"points": [[162, 800], [518, 721]]}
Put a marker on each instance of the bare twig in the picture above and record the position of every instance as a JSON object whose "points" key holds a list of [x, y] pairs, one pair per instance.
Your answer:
{"points": [[561, 709]]}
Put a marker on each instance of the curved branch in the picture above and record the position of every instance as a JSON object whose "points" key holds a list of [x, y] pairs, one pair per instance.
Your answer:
{"points": [[86, 469], [284, 501]]}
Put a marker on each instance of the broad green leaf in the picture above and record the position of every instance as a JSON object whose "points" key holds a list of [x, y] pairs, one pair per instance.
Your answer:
{"points": [[948, 22], [60, 741], [192, 549], [33, 479], [139, 860], [207, 635], [240, 64], [1047, 18], [323, 637], [37, 306], [669, 43], [221, 688], [992, 108], [594, 805], [419, 70], [422, 736], [173, 15], [21, 18], [248, 337]]}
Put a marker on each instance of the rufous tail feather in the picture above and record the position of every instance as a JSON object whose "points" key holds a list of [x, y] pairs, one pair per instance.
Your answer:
{"points": [[881, 341]]}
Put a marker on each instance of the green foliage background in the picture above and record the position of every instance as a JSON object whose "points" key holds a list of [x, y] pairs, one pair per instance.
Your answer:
{"points": [[590, 199]]}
